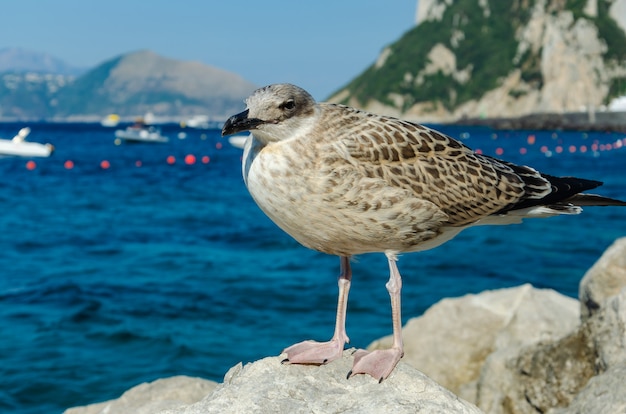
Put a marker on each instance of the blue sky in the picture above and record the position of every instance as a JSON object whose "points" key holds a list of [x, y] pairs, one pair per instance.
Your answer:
{"points": [[319, 45]]}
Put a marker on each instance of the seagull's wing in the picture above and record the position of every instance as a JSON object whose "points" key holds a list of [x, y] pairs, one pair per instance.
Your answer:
{"points": [[466, 186]]}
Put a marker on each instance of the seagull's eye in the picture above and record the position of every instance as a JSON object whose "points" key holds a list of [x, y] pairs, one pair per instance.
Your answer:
{"points": [[288, 105]]}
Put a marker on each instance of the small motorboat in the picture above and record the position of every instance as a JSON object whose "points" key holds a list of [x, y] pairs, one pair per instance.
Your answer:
{"points": [[238, 141], [110, 120], [19, 147], [139, 134], [197, 121]]}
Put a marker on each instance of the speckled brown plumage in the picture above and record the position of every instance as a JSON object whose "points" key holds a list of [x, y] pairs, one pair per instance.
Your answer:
{"points": [[464, 185]]}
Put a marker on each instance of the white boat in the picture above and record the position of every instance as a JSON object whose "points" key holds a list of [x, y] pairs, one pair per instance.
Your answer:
{"points": [[197, 121], [110, 120], [135, 134], [238, 141], [19, 147]]}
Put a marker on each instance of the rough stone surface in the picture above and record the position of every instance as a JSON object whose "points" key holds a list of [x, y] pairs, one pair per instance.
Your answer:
{"points": [[452, 340], [604, 279], [266, 386], [604, 393], [557, 374], [149, 398], [535, 378], [606, 331], [618, 13]]}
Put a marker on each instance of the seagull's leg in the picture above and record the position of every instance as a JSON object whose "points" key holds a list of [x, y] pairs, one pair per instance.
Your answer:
{"points": [[312, 352], [380, 363]]}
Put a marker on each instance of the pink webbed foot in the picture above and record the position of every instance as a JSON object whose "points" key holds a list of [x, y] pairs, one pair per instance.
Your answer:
{"points": [[319, 353], [379, 364], [313, 352]]}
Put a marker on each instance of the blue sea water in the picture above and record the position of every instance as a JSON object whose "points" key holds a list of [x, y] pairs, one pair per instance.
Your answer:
{"points": [[110, 277]]}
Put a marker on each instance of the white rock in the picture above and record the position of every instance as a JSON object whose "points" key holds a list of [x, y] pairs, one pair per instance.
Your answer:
{"points": [[618, 12], [605, 393], [430, 10], [535, 378], [266, 386], [451, 341], [604, 279], [606, 329], [555, 374], [148, 398]]}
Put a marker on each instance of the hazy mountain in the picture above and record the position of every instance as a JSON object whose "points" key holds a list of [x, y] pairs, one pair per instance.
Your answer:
{"points": [[493, 58], [28, 95], [19, 60], [129, 85], [143, 81]]}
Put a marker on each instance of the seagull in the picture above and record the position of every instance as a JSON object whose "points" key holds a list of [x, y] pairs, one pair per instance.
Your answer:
{"points": [[346, 182]]}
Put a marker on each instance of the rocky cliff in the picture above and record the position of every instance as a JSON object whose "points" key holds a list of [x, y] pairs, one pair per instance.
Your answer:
{"points": [[488, 58]]}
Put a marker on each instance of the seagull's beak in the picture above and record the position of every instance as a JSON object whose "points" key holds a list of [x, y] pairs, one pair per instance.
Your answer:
{"points": [[240, 122]]}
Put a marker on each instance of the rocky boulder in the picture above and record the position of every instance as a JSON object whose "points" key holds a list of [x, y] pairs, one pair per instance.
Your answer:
{"points": [[150, 398], [603, 280], [453, 338], [527, 350], [266, 386]]}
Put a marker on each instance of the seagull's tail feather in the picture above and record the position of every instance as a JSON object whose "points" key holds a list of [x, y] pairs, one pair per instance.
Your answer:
{"points": [[563, 189], [554, 204], [594, 200], [566, 194]]}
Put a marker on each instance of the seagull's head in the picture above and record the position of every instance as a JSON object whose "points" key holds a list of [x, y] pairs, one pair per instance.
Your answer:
{"points": [[274, 113]]}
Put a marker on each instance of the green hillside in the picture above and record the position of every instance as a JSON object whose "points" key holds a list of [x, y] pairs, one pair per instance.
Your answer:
{"points": [[484, 44]]}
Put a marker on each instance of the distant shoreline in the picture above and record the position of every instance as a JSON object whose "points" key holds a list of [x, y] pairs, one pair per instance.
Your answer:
{"points": [[162, 121], [575, 121]]}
